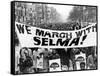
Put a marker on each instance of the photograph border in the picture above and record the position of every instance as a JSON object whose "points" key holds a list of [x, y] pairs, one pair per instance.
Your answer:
{"points": [[12, 64]]}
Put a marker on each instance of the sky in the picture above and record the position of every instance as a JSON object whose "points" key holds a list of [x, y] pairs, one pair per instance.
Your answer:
{"points": [[64, 10]]}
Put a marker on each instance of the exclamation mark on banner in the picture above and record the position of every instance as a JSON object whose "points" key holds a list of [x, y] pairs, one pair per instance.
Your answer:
{"points": [[84, 37]]}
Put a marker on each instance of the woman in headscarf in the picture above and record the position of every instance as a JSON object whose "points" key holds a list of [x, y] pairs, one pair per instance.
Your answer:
{"points": [[25, 61]]}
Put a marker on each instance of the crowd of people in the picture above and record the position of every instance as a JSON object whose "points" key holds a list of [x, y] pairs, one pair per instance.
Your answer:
{"points": [[35, 60], [26, 15]]}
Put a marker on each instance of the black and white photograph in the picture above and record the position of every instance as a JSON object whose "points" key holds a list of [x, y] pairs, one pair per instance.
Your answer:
{"points": [[46, 39]]}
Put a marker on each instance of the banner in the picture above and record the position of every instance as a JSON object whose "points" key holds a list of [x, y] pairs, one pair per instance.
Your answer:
{"points": [[54, 65], [30, 36]]}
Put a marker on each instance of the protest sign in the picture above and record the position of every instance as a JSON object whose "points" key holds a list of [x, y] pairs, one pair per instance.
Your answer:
{"points": [[30, 36], [54, 65], [80, 58], [40, 63]]}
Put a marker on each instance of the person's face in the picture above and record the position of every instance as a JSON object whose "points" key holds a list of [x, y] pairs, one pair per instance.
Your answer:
{"points": [[33, 53], [26, 52], [66, 49], [22, 53], [82, 66], [41, 55], [54, 51]]}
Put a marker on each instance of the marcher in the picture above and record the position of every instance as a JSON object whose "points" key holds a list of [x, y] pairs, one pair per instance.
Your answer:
{"points": [[90, 62], [25, 61], [35, 56]]}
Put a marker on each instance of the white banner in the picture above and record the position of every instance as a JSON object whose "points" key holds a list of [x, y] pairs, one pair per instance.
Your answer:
{"points": [[54, 65], [30, 36]]}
